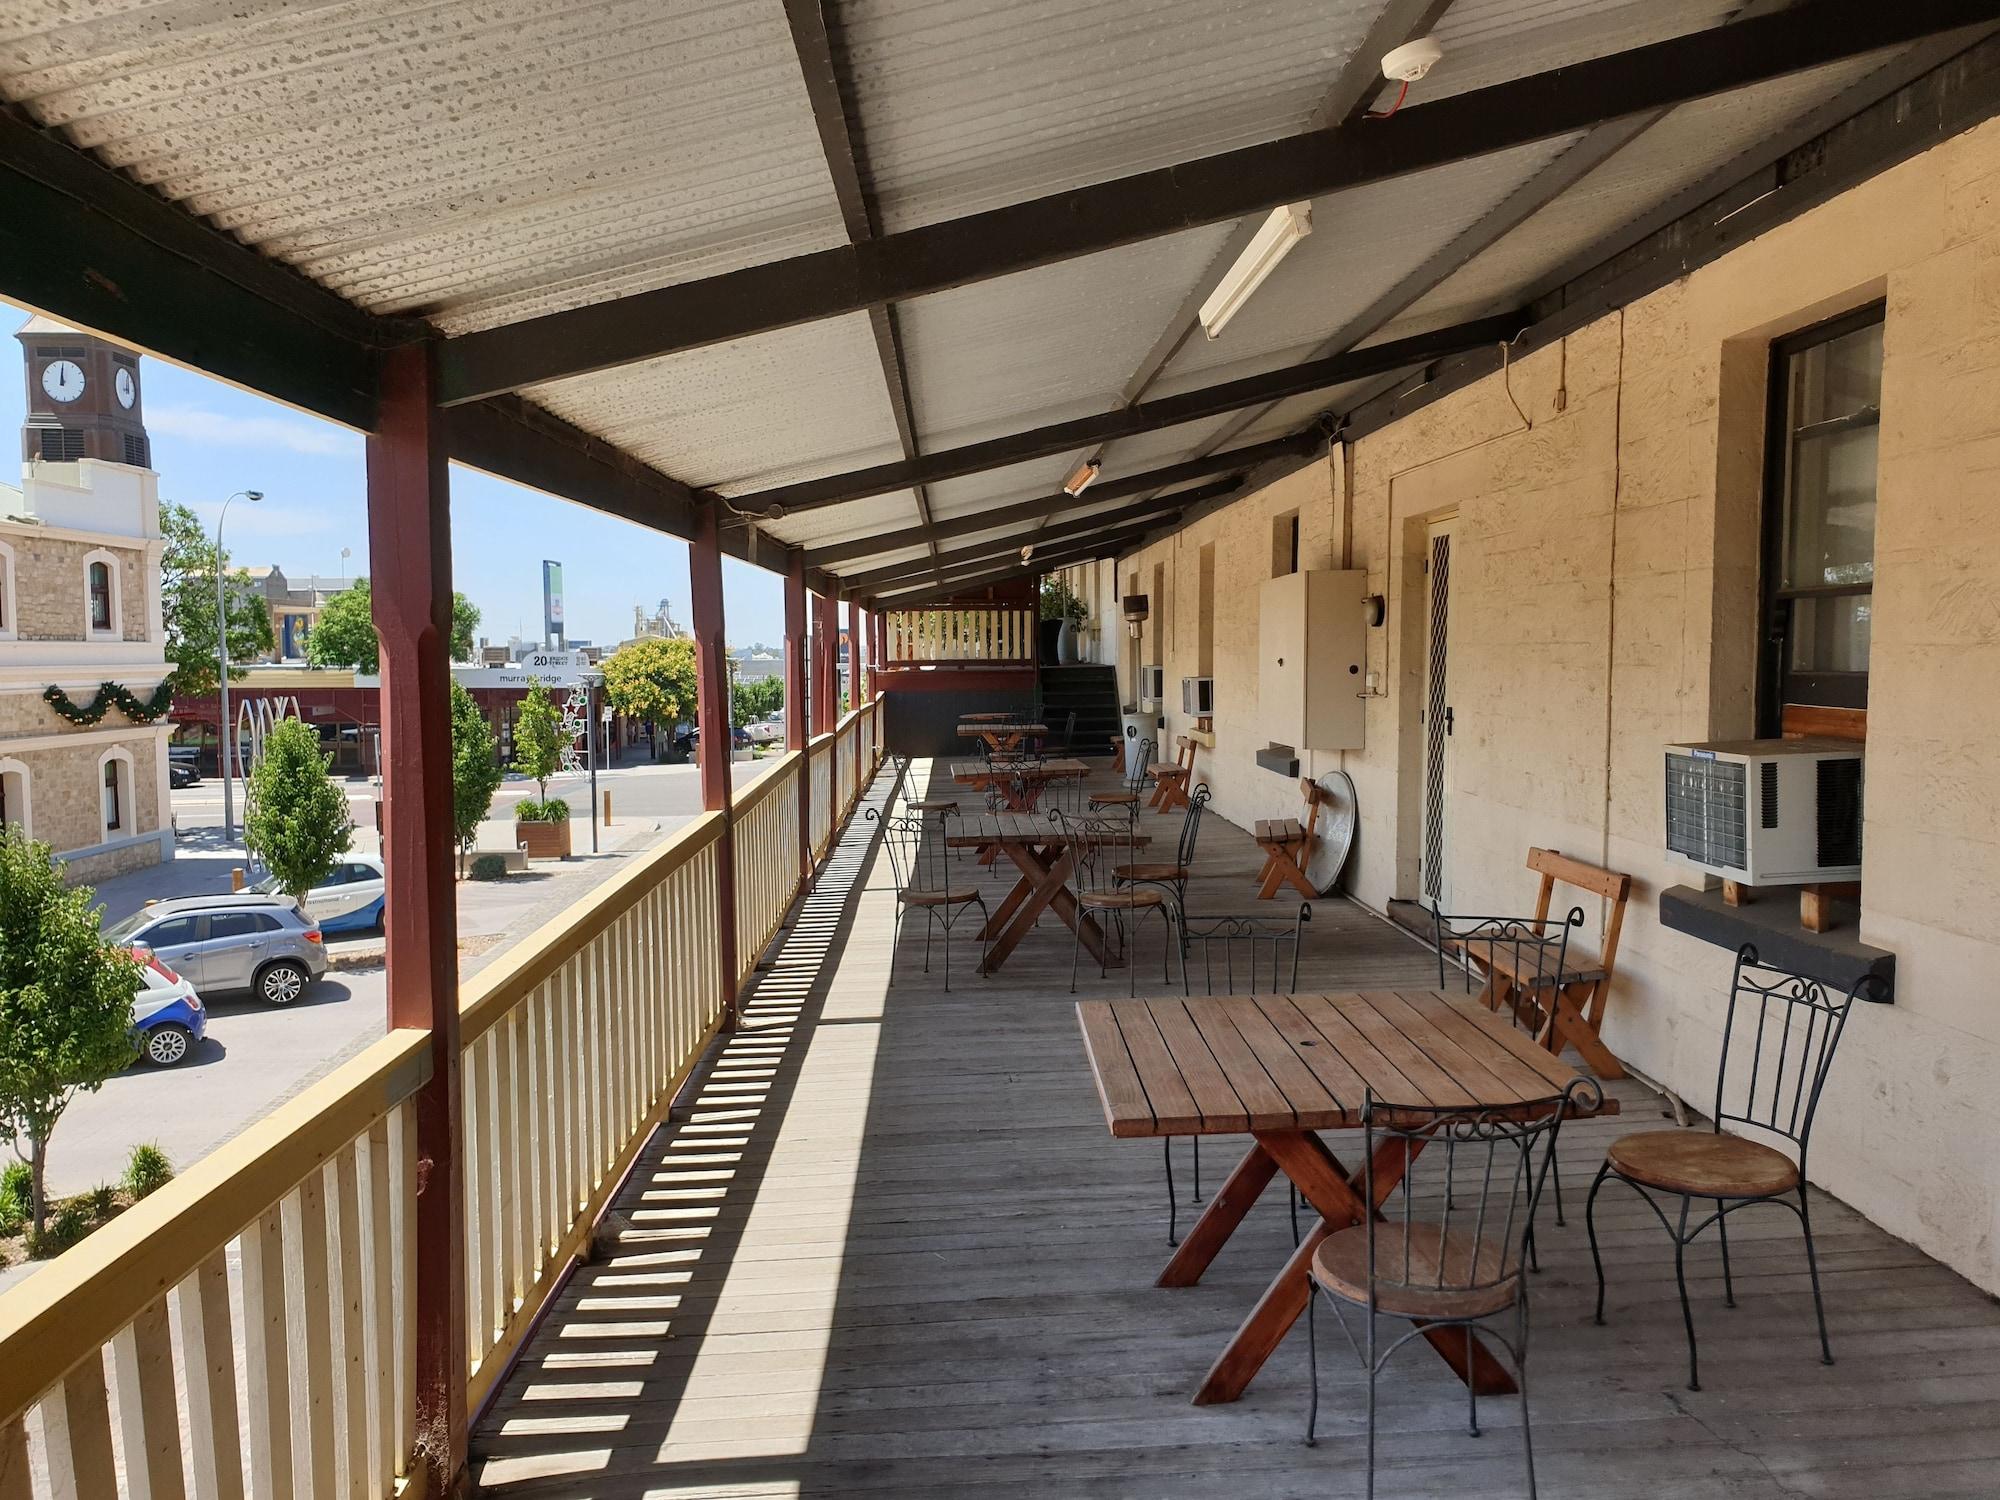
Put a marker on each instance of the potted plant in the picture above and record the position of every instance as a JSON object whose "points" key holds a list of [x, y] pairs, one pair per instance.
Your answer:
{"points": [[1063, 613], [541, 823]]}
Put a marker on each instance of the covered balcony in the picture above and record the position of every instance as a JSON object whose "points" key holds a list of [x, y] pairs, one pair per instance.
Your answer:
{"points": [[918, 307]]}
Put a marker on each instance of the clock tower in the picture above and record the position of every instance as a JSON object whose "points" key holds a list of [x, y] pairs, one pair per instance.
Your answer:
{"points": [[83, 398]]}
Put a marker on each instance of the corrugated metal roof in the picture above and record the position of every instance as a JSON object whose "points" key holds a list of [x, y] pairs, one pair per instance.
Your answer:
{"points": [[475, 163], [967, 105], [1489, 41]]}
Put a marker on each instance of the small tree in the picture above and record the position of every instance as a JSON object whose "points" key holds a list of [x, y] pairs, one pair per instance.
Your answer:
{"points": [[1060, 601], [464, 621], [65, 1003], [756, 699], [188, 565], [295, 819], [653, 679], [344, 633], [475, 770], [538, 739]]}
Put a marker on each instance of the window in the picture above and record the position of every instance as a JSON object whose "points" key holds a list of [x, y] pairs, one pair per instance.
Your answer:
{"points": [[1285, 544], [1819, 516], [236, 924], [61, 445], [102, 612], [170, 934], [114, 810], [114, 771], [14, 796]]}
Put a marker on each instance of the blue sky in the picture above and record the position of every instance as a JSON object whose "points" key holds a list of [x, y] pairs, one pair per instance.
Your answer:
{"points": [[210, 440]]}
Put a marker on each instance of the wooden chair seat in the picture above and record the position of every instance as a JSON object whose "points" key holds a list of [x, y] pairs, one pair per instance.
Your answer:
{"points": [[1135, 899], [1160, 768], [1113, 799], [1279, 831], [956, 896], [1580, 966], [1703, 1164], [1151, 872], [1341, 1266]]}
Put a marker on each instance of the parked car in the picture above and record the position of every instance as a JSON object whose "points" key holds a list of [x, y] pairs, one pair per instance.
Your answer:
{"points": [[765, 732], [230, 944], [690, 740], [352, 899], [182, 773], [167, 1013]]}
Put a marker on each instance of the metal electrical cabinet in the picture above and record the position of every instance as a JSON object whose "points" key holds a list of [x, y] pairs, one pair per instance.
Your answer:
{"points": [[1311, 641]]}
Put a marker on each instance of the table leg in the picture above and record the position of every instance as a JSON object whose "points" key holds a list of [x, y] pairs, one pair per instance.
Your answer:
{"points": [[1042, 884], [1219, 1219], [1571, 1027], [1336, 1194]]}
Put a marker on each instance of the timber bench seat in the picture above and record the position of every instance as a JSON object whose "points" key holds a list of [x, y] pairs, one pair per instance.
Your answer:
{"points": [[1288, 845]]}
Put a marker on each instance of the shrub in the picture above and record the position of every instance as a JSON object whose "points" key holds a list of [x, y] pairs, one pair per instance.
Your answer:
{"points": [[147, 1171], [16, 1182], [13, 1218], [554, 810], [489, 866], [69, 1224], [103, 1199]]}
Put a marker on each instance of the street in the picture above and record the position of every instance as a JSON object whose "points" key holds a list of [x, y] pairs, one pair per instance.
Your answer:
{"points": [[256, 1056]]}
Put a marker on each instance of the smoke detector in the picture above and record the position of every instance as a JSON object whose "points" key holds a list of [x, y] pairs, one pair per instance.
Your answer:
{"points": [[1409, 62]]}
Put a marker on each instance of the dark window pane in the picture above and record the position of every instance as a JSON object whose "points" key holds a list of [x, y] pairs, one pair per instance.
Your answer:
{"points": [[240, 923], [1830, 635], [170, 934], [1831, 531]]}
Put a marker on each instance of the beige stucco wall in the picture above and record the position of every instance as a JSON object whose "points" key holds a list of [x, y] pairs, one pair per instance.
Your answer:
{"points": [[1603, 595], [49, 583]]}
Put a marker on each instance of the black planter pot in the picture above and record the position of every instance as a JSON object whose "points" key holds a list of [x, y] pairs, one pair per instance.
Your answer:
{"points": [[1051, 630]]}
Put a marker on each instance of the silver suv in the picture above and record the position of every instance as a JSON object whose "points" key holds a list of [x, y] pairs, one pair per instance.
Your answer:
{"points": [[221, 944]]}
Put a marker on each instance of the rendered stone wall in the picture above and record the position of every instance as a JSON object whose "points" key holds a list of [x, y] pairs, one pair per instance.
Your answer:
{"points": [[49, 579], [1604, 584]]}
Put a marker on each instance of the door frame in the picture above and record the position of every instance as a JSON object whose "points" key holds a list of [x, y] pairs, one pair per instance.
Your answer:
{"points": [[1434, 863]]}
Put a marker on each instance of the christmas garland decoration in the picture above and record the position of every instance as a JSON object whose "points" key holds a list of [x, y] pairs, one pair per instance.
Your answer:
{"points": [[143, 711]]}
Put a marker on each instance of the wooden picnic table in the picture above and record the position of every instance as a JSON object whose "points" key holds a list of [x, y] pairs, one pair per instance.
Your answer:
{"points": [[989, 717], [1003, 735], [1045, 859], [1019, 781], [1283, 1068]]}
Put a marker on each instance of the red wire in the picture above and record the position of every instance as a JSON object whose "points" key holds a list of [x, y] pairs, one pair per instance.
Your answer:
{"points": [[1383, 114]]}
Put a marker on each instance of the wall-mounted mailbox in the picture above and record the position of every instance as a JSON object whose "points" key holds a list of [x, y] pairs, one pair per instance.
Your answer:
{"points": [[1311, 641]]}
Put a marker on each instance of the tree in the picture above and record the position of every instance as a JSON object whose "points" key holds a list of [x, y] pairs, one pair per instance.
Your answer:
{"points": [[65, 1002], [654, 680], [188, 565], [344, 633], [538, 739], [756, 699], [475, 770], [295, 819]]}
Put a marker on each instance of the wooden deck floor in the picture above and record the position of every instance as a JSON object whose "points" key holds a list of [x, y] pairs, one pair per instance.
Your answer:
{"points": [[893, 1251]]}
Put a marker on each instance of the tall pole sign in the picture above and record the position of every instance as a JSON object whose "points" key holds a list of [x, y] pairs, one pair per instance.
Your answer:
{"points": [[552, 605]]}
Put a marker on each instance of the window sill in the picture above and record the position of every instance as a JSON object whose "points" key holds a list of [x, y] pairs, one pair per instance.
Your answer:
{"points": [[1771, 925]]}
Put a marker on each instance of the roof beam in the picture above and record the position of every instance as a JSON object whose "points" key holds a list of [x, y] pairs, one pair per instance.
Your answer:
{"points": [[956, 252], [1237, 459], [1106, 546], [1165, 511], [1129, 421]]}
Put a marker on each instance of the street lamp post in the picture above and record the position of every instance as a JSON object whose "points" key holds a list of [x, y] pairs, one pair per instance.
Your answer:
{"points": [[226, 740]]}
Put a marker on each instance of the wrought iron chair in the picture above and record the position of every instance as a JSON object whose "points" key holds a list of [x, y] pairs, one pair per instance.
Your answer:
{"points": [[926, 803], [1518, 962], [1240, 955], [921, 865], [1100, 844], [1480, 1173], [1799, 1023], [1132, 791], [1172, 875]]}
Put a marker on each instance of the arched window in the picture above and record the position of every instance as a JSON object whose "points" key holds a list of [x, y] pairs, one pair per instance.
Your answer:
{"points": [[14, 805], [119, 815], [101, 604]]}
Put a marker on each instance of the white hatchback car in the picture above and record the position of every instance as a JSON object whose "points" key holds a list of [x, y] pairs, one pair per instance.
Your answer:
{"points": [[351, 899]]}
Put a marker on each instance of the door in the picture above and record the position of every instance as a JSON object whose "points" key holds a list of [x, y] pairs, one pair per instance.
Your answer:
{"points": [[236, 944], [1434, 859], [174, 943]]}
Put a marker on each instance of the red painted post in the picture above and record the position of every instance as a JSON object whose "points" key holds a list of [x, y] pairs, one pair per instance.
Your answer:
{"points": [[797, 730], [856, 695], [409, 536], [711, 667]]}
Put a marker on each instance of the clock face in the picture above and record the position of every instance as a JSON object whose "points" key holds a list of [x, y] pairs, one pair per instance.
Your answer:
{"points": [[63, 380], [127, 388]]}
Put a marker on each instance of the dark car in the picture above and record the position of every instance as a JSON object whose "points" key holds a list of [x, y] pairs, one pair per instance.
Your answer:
{"points": [[182, 773], [690, 740]]}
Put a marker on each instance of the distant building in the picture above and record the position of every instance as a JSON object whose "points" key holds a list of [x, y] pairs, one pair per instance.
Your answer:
{"points": [[658, 626], [749, 663], [294, 605], [80, 607]]}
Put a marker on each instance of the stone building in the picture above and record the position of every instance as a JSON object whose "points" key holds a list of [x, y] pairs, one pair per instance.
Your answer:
{"points": [[83, 669]]}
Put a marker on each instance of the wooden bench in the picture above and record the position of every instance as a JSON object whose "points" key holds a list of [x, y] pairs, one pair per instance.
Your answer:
{"points": [[1171, 779], [1584, 985], [1288, 845]]}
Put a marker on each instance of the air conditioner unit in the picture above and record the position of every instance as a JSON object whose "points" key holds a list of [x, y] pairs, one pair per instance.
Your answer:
{"points": [[1198, 696], [1152, 684], [1766, 812]]}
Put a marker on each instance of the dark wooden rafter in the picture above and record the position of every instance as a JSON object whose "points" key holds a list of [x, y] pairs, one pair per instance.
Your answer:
{"points": [[1102, 216], [1165, 513], [826, 91], [1239, 460], [1128, 421], [903, 594]]}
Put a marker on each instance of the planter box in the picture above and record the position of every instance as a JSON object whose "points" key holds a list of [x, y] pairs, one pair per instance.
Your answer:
{"points": [[543, 840]]}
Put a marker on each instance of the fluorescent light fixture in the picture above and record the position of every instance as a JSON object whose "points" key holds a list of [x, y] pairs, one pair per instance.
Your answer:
{"points": [[1084, 477], [1286, 226]]}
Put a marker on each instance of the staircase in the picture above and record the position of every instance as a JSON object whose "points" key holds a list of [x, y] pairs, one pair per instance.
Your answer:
{"points": [[1092, 691]]}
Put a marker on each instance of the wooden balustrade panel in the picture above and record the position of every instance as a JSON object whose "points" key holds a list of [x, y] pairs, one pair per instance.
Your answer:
{"points": [[947, 635], [822, 795], [765, 841]]}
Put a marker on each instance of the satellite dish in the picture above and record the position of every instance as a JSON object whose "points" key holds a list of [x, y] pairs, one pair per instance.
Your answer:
{"points": [[1337, 819]]}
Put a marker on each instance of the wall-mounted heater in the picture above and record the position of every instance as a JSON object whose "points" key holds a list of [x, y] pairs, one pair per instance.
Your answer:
{"points": [[1766, 812]]}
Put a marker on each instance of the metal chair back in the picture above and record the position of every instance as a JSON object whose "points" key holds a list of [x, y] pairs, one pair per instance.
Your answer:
{"points": [[1793, 1023], [1191, 827], [1518, 953], [1101, 844], [1246, 955], [919, 857], [1138, 756], [1471, 1180]]}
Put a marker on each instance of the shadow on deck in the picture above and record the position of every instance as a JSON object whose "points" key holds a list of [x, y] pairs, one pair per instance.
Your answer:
{"points": [[893, 1251]]}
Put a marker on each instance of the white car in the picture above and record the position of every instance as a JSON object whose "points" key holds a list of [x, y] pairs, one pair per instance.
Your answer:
{"points": [[352, 899], [764, 732], [167, 1013]]}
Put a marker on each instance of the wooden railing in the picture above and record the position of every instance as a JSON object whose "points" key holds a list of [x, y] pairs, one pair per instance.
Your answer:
{"points": [[986, 633], [819, 754], [573, 1045]]}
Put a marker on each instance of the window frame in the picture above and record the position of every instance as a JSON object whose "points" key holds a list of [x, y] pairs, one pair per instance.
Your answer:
{"points": [[1842, 690], [10, 603], [117, 763], [23, 814], [113, 592]]}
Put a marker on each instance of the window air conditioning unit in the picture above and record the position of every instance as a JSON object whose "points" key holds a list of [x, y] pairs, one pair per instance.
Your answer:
{"points": [[1766, 812], [1152, 684], [1198, 696]]}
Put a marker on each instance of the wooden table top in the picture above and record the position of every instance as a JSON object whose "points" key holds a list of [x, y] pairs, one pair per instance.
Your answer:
{"points": [[989, 717], [1225, 1064], [976, 772], [1000, 727], [1019, 828]]}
